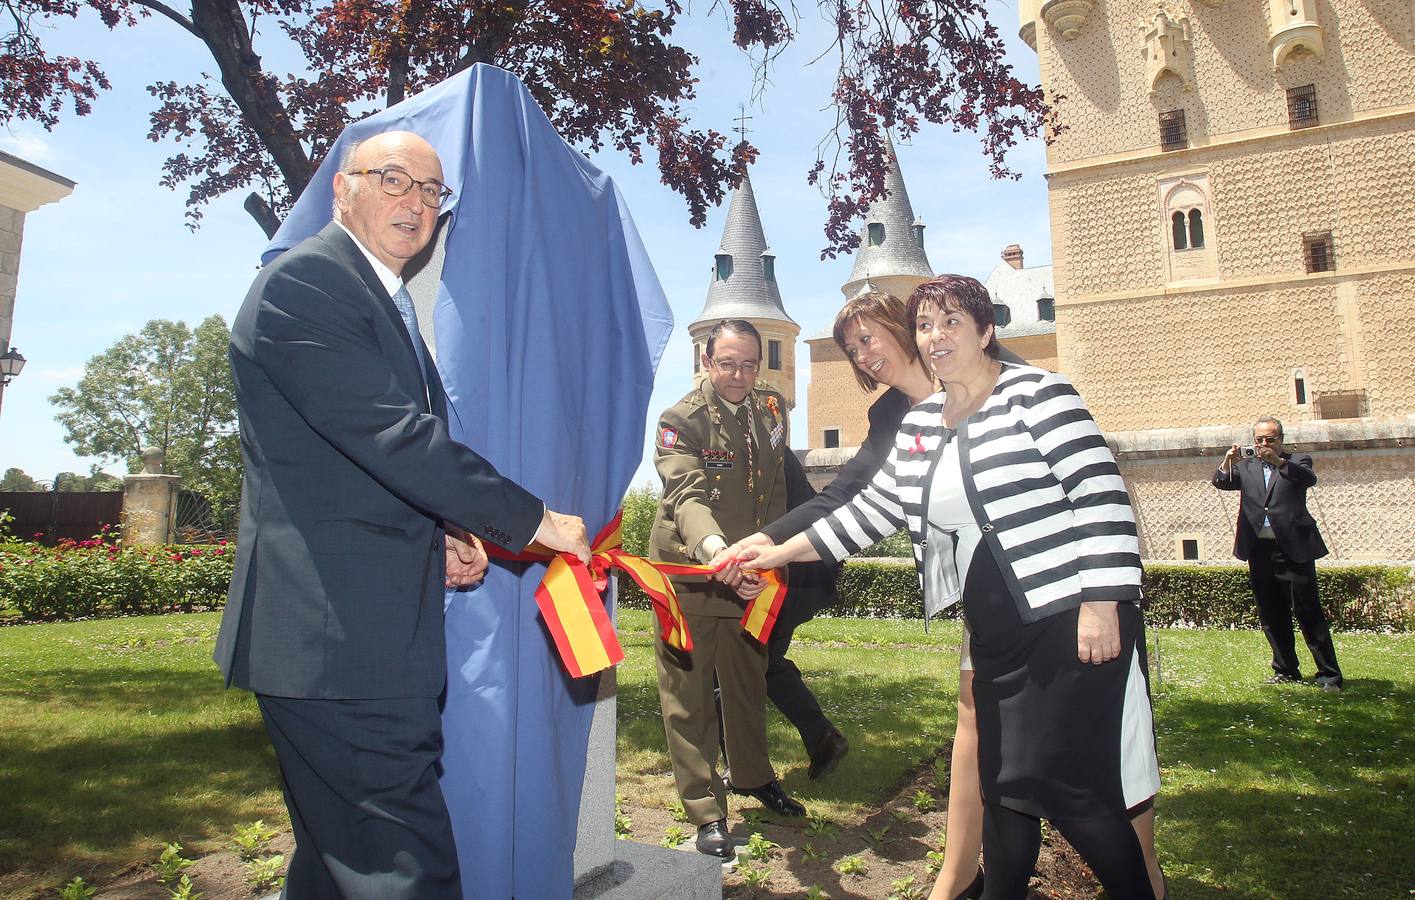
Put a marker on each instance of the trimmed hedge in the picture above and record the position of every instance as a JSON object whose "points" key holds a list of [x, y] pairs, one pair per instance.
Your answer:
{"points": [[88, 579], [1357, 598]]}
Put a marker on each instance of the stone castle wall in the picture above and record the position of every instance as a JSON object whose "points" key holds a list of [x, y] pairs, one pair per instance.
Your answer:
{"points": [[1106, 105], [834, 398]]}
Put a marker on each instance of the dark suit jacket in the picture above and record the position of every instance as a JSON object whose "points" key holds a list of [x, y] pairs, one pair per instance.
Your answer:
{"points": [[349, 471], [886, 414], [811, 584], [1283, 501]]}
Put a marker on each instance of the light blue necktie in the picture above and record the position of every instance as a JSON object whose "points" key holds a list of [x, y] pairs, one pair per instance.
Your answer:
{"points": [[404, 302]]}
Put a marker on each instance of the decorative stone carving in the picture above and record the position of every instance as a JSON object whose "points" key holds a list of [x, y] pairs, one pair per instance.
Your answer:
{"points": [[1293, 30], [152, 460], [1067, 16], [1028, 11], [1168, 48]]}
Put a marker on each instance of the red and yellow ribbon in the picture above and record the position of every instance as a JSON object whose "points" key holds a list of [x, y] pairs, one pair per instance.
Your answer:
{"points": [[569, 600]]}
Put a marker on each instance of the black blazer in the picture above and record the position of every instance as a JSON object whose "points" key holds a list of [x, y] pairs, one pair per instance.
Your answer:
{"points": [[349, 471], [886, 414], [812, 584], [1283, 501]]}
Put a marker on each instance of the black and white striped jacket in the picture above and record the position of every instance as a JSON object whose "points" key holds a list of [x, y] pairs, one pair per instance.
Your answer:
{"points": [[1043, 485]]}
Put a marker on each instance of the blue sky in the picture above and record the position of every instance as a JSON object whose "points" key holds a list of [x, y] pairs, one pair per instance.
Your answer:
{"points": [[116, 253]]}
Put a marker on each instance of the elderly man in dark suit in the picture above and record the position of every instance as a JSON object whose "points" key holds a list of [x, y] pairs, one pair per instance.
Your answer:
{"points": [[1278, 538], [357, 509]]}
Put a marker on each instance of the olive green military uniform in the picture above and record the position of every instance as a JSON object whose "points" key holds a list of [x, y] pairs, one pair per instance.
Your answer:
{"points": [[701, 452]]}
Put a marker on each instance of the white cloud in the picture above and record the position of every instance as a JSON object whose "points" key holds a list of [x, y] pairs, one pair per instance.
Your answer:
{"points": [[28, 146]]}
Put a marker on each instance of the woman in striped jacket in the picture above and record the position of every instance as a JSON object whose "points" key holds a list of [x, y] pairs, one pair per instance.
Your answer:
{"points": [[1016, 507]]}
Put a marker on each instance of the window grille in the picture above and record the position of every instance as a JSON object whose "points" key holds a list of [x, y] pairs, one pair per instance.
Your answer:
{"points": [[1302, 106], [1173, 134], [1317, 252]]}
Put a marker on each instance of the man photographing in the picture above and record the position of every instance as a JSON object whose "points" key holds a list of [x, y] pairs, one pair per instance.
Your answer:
{"points": [[1279, 540]]}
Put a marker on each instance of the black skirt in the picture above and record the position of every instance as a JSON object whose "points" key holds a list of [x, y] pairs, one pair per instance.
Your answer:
{"points": [[1057, 738]]}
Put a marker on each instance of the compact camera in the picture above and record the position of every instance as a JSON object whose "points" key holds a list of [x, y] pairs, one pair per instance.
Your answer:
{"points": [[1248, 452]]}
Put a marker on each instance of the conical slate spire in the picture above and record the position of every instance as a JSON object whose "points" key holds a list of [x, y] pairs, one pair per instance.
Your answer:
{"points": [[743, 282], [899, 250]]}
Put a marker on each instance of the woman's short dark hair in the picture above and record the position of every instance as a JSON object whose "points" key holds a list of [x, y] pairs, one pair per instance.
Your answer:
{"points": [[890, 312], [733, 326], [958, 293]]}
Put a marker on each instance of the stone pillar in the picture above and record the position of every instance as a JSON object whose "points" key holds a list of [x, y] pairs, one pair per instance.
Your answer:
{"points": [[611, 869], [150, 502]]}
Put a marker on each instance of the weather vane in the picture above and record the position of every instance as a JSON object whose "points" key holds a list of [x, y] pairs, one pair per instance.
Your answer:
{"points": [[742, 118]]}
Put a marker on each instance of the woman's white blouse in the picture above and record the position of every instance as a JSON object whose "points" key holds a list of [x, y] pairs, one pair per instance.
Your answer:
{"points": [[953, 532]]}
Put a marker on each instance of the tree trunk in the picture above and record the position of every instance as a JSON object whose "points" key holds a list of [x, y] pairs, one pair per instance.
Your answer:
{"points": [[222, 26], [264, 216]]}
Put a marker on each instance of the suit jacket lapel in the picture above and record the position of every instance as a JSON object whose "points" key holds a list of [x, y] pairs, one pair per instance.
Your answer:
{"points": [[338, 240]]}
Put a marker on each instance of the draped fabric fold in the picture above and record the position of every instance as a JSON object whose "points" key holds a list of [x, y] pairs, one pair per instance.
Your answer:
{"points": [[547, 305]]}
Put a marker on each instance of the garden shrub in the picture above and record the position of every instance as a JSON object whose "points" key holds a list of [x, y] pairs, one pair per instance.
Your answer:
{"points": [[1357, 598], [86, 579]]}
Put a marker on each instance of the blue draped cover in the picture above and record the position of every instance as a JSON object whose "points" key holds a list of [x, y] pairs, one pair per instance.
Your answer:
{"points": [[550, 323]]}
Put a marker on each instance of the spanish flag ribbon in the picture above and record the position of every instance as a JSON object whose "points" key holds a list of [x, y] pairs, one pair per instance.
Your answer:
{"points": [[569, 600]]}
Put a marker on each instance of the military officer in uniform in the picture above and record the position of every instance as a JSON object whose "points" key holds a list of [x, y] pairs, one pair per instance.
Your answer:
{"points": [[720, 452]]}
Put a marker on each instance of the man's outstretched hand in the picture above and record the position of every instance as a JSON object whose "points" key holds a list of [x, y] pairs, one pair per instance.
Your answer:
{"points": [[563, 533]]}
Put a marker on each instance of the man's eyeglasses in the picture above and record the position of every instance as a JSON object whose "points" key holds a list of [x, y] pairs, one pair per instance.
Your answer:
{"points": [[396, 183], [1265, 439], [732, 368]]}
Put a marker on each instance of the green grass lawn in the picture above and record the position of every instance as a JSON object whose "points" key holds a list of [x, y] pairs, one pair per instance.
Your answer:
{"points": [[116, 736]]}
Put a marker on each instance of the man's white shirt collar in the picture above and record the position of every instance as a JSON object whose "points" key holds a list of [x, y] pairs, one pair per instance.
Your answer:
{"points": [[391, 282]]}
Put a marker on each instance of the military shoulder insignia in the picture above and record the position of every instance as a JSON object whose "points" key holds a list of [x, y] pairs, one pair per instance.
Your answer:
{"points": [[667, 438]]}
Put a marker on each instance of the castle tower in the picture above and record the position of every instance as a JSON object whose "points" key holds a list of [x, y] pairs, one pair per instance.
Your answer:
{"points": [[1231, 231], [890, 258], [891, 254], [743, 286]]}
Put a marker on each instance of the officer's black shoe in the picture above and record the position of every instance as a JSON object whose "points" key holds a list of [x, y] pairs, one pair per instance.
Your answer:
{"points": [[773, 798], [828, 754], [714, 840]]}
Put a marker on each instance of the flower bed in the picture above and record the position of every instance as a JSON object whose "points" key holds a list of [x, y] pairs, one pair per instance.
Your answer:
{"points": [[98, 577]]}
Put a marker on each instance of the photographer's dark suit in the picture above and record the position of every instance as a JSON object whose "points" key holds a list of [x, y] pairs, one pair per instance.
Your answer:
{"points": [[335, 613], [1282, 568]]}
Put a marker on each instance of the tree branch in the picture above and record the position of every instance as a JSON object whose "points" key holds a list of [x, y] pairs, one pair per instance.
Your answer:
{"points": [[172, 14]]}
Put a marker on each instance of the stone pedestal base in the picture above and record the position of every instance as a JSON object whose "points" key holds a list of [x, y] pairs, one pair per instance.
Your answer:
{"points": [[641, 872]]}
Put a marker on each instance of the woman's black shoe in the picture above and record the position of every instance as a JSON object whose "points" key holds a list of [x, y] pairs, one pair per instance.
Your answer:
{"points": [[974, 890]]}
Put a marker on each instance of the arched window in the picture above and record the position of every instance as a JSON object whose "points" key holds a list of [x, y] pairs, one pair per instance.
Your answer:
{"points": [[876, 232], [1196, 229], [1181, 241], [724, 266]]}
